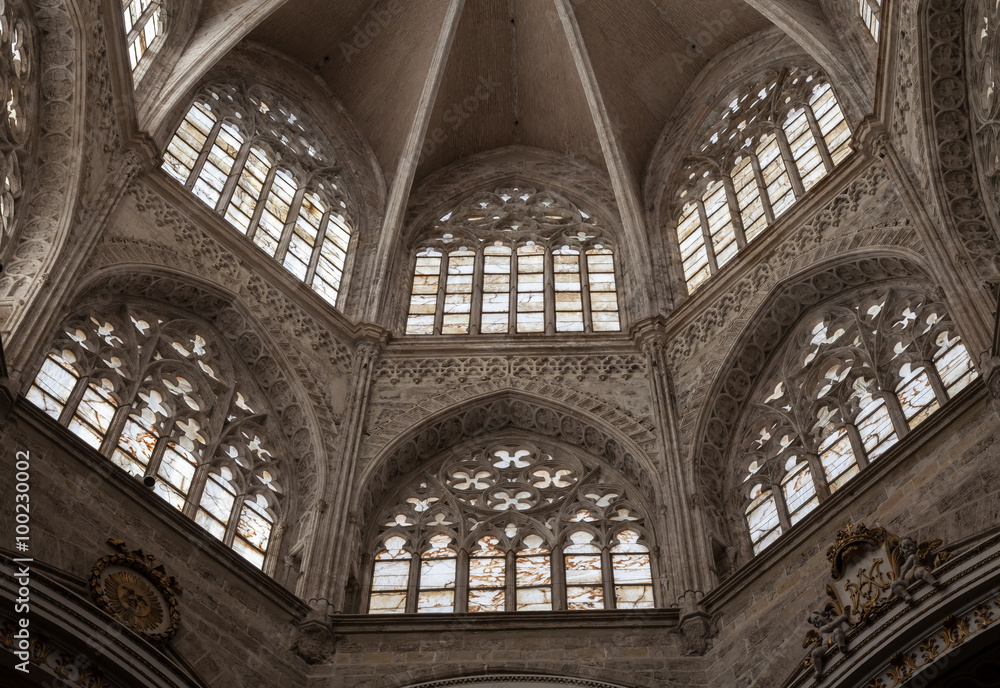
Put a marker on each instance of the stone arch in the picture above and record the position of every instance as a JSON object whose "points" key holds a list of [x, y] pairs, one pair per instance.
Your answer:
{"points": [[751, 351], [257, 350], [512, 673], [524, 680]]}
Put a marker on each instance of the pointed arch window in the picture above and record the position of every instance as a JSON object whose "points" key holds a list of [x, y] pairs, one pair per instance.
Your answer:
{"points": [[247, 157], [514, 261], [757, 155], [870, 11], [513, 527], [155, 396], [143, 23], [854, 378]]}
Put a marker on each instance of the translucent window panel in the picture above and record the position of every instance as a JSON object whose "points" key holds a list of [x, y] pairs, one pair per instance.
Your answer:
{"points": [[772, 165], [487, 572], [424, 295], [437, 577], [390, 579], [275, 213], [603, 290], [530, 288], [304, 234], [175, 473], [248, 190], [875, 427], [186, 145], [799, 491], [869, 10], [216, 505], [748, 197], [332, 258], [253, 531], [142, 26], [496, 290], [584, 588], [94, 414], [831, 121], [837, 457], [762, 520], [135, 445], [568, 293], [213, 175], [534, 578], [53, 385], [720, 224], [953, 364], [916, 396], [458, 292], [694, 255], [632, 573], [805, 152]]}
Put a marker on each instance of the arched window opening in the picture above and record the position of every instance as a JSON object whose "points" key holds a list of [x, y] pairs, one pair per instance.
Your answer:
{"points": [[870, 11], [852, 380], [253, 160], [156, 397], [512, 528], [772, 142], [514, 261], [143, 23]]}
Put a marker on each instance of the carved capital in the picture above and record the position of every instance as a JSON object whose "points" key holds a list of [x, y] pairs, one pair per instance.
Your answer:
{"points": [[315, 642], [871, 138], [650, 334], [697, 632]]}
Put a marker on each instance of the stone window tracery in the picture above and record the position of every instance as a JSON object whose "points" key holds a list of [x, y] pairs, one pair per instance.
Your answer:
{"points": [[156, 396], [251, 157], [143, 24], [870, 11], [17, 60], [512, 527], [768, 144], [854, 378], [514, 261]]}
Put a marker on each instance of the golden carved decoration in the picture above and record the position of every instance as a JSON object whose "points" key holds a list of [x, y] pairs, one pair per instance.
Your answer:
{"points": [[47, 656], [138, 593], [871, 589], [851, 541]]}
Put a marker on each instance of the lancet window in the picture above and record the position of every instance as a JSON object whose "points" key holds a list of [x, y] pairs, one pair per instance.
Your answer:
{"points": [[514, 261], [17, 60], [251, 158], [143, 23], [514, 527], [156, 395], [764, 149], [870, 11], [853, 379]]}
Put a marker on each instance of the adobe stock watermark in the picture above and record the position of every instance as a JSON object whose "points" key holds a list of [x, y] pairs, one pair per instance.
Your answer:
{"points": [[458, 113], [22, 573], [366, 30]]}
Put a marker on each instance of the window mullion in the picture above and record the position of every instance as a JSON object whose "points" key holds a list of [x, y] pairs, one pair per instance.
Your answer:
{"points": [[824, 151], [936, 384], [324, 224], [289, 228], [193, 497], [778, 495], [791, 166], [765, 199], [258, 211], [734, 212], [857, 445], [549, 292], [558, 578], [607, 579], [115, 429], [896, 414], [158, 449], [817, 474], [234, 177], [510, 581], [234, 520], [206, 150], [73, 400], [442, 290], [476, 307], [462, 582], [413, 585], [706, 234], [588, 315], [512, 310]]}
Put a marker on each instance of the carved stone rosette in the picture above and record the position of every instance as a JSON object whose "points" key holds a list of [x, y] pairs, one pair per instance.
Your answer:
{"points": [[135, 592]]}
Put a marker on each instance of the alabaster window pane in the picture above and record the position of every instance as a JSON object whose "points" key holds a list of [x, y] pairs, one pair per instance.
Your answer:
{"points": [[486, 572], [631, 569], [391, 575], [169, 494], [436, 601], [437, 573], [798, 489], [805, 152], [584, 598], [955, 368], [534, 599], [128, 464], [86, 432], [56, 379], [533, 570], [137, 440], [387, 603], [530, 296], [875, 427], [779, 186], [249, 553], [218, 498], [748, 198], [486, 600], [720, 225], [832, 124], [762, 519], [96, 408], [916, 396], [837, 457], [248, 191], [276, 209], [583, 570], [176, 469], [210, 524], [634, 596], [46, 403]]}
